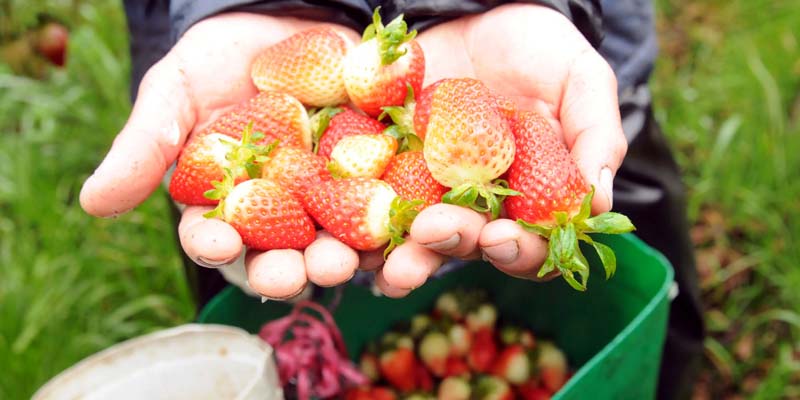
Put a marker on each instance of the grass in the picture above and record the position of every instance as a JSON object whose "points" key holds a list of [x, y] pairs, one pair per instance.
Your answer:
{"points": [[72, 285], [727, 91]]}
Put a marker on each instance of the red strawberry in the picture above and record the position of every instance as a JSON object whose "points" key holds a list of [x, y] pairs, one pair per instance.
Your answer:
{"points": [[201, 162], [398, 367], [532, 391], [382, 393], [422, 109], [507, 107], [363, 213], [454, 388], [362, 156], [294, 169], [277, 115], [379, 70], [336, 123], [307, 65], [513, 365], [556, 201], [409, 176], [456, 366], [492, 388], [468, 144], [483, 351], [424, 378], [433, 351], [552, 366], [266, 215], [51, 42], [358, 393], [204, 159], [368, 393]]}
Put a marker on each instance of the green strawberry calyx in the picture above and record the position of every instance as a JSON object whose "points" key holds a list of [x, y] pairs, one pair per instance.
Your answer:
{"points": [[402, 213], [564, 235], [402, 128], [481, 197], [246, 157], [390, 37], [319, 120]]}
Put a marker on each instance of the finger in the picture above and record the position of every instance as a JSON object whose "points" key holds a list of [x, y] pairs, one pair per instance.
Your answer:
{"points": [[371, 260], [387, 289], [147, 145], [330, 262], [513, 250], [448, 229], [591, 123], [276, 274], [208, 242], [409, 265]]}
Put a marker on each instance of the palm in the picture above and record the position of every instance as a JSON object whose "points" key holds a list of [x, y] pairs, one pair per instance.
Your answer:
{"points": [[215, 58], [528, 53]]}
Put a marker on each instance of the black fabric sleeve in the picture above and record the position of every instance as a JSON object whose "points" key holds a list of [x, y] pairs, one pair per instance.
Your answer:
{"points": [[357, 14]]}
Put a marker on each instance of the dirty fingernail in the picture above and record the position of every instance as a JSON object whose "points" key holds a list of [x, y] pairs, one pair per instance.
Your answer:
{"points": [[607, 182], [504, 253], [444, 245]]}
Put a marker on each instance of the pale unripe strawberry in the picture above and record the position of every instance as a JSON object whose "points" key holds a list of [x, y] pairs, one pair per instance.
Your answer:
{"points": [[379, 70], [468, 144], [308, 65]]}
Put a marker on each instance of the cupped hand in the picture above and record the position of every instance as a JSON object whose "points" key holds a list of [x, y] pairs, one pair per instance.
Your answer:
{"points": [[537, 57], [206, 73]]}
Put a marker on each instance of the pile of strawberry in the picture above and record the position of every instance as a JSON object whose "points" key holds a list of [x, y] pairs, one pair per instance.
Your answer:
{"points": [[460, 352], [344, 137]]}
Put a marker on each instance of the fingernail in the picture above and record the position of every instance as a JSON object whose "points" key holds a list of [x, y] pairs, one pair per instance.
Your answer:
{"points": [[205, 262], [444, 245], [504, 253], [607, 183]]}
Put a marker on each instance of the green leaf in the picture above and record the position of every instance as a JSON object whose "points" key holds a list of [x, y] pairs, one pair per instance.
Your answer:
{"points": [[570, 278], [586, 208], [319, 122], [548, 266], [413, 143], [540, 230], [607, 257], [610, 222]]}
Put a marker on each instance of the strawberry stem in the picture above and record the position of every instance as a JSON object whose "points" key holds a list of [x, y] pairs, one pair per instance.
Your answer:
{"points": [[402, 213], [389, 37], [481, 197], [564, 253], [220, 192], [402, 128], [247, 156], [320, 120]]}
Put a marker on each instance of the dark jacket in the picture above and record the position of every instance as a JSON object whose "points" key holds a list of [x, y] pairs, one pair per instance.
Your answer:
{"points": [[622, 30]]}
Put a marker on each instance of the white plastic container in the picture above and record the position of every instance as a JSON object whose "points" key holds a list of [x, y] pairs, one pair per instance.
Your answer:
{"points": [[187, 362]]}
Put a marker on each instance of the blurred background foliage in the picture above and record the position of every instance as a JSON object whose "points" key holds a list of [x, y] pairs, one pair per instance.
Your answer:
{"points": [[727, 92]]}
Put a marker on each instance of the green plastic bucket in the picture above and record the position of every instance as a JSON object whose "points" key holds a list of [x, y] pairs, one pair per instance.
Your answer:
{"points": [[613, 332]]}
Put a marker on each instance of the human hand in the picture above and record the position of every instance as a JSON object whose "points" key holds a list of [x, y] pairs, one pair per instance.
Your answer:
{"points": [[206, 73], [535, 56]]}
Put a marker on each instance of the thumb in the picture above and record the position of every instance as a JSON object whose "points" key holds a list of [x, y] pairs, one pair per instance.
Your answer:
{"points": [[592, 128], [162, 117]]}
